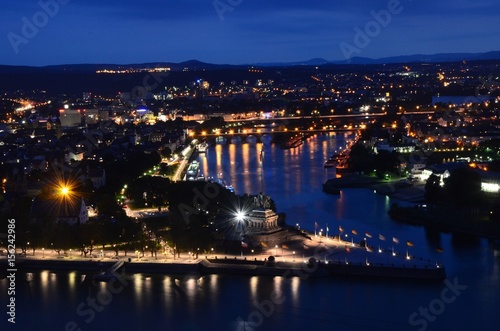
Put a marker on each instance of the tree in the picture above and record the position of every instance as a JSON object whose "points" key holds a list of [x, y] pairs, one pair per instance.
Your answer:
{"points": [[385, 162], [464, 187], [150, 190], [433, 189], [166, 152], [108, 206], [359, 158]]}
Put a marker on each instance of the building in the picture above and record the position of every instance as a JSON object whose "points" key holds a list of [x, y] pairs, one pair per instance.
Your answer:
{"points": [[261, 225], [261, 221], [70, 117], [98, 177], [59, 211]]}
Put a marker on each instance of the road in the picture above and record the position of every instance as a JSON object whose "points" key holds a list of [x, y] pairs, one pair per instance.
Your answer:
{"points": [[182, 165]]}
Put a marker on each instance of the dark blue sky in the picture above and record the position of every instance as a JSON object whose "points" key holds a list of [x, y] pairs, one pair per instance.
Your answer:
{"points": [[240, 31]]}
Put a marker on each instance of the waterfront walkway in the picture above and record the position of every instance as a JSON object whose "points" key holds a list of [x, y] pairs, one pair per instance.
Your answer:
{"points": [[297, 249]]}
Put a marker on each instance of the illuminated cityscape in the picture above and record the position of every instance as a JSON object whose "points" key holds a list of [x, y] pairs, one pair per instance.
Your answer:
{"points": [[186, 167]]}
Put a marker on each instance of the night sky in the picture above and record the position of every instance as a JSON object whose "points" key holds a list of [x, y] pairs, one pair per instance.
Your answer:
{"points": [[240, 31]]}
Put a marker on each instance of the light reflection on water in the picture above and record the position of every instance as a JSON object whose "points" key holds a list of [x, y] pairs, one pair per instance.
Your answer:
{"points": [[178, 302], [293, 178]]}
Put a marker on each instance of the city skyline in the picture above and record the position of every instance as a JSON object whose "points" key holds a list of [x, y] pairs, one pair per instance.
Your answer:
{"points": [[51, 32]]}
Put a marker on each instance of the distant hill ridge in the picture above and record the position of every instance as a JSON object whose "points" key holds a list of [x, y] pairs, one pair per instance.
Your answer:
{"points": [[199, 65]]}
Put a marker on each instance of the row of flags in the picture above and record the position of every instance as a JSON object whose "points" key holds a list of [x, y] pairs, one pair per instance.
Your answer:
{"points": [[354, 232], [382, 238]]}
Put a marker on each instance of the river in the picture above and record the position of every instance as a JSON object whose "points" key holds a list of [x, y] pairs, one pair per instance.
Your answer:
{"points": [[468, 299]]}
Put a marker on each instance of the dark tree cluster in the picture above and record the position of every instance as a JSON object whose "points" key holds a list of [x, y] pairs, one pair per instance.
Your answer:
{"points": [[362, 159], [149, 191], [461, 188]]}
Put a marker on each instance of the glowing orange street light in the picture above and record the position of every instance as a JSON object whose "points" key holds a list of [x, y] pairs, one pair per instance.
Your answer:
{"points": [[64, 190]]}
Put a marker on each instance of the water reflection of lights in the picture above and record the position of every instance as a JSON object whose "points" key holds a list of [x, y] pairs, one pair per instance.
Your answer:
{"points": [[245, 167], [137, 280], [44, 276], [254, 283], [278, 286], [295, 289], [213, 282], [218, 157], [103, 286], [167, 283], [45, 285], [191, 285], [72, 279]]}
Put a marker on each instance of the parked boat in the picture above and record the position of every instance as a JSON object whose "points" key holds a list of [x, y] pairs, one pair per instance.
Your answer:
{"points": [[193, 170], [330, 163], [202, 148]]}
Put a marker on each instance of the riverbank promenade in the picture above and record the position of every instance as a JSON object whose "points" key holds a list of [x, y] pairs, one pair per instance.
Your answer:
{"points": [[336, 256]]}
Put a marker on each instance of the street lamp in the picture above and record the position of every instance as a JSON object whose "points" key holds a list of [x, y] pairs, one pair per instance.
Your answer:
{"points": [[64, 190], [43, 252], [276, 250], [240, 216], [293, 256]]}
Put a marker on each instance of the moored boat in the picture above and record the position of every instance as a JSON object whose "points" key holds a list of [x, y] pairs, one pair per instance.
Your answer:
{"points": [[330, 163], [202, 148]]}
